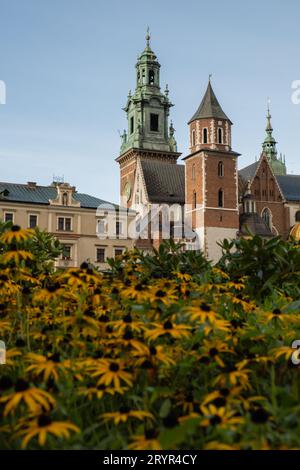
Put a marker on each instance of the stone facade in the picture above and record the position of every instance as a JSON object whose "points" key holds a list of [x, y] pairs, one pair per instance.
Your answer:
{"points": [[70, 216]]}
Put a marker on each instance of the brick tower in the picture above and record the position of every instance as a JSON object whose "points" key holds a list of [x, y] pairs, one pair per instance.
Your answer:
{"points": [[211, 176]]}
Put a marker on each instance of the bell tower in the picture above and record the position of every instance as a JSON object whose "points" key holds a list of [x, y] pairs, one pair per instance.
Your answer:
{"points": [[211, 176], [270, 150], [149, 135]]}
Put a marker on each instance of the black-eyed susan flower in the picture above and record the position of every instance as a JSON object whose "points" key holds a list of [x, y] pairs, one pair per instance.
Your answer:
{"points": [[111, 372], [16, 235], [41, 426], [220, 417], [146, 441], [33, 397], [48, 367], [124, 413], [169, 327]]}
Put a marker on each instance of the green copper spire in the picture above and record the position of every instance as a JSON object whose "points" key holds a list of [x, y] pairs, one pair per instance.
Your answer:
{"points": [[148, 108], [270, 150]]}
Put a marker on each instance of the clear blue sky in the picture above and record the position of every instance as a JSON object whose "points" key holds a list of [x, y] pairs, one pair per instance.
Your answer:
{"points": [[68, 66]]}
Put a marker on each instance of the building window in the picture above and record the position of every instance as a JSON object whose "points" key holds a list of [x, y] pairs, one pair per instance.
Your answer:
{"points": [[8, 217], [193, 172], [64, 224], [220, 135], [100, 255], [220, 198], [205, 136], [267, 217], [131, 125], [101, 226], [154, 122], [297, 216], [193, 137], [221, 169], [119, 228], [66, 252], [151, 77], [32, 221], [118, 251], [194, 199]]}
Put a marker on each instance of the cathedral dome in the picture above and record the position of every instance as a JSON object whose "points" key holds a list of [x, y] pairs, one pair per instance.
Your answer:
{"points": [[295, 232]]}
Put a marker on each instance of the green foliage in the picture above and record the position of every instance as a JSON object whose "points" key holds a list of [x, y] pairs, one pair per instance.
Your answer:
{"points": [[269, 265]]}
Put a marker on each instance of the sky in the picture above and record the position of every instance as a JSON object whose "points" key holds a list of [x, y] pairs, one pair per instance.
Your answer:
{"points": [[68, 66]]}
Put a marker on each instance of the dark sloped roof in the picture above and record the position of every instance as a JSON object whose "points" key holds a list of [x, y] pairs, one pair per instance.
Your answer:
{"points": [[248, 172], [255, 224], [164, 181], [42, 194], [209, 107], [290, 186]]}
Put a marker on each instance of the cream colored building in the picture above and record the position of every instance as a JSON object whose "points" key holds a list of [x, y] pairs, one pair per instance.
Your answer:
{"points": [[88, 228]]}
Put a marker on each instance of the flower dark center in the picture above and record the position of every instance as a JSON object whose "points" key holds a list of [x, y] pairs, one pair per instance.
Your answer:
{"points": [[21, 385], [151, 433], [259, 416], [160, 293], [15, 228], [204, 307], [138, 287], [127, 318], [44, 420], [168, 325], [114, 367], [153, 351], [215, 420], [124, 409], [55, 357], [277, 311], [224, 392], [213, 352], [128, 335]]}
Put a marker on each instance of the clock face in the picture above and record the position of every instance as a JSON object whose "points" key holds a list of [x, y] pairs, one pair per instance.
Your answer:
{"points": [[127, 190]]}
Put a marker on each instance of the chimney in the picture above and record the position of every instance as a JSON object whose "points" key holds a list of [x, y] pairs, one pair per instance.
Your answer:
{"points": [[31, 184]]}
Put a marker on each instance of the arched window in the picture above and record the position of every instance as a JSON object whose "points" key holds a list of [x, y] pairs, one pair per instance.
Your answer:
{"points": [[151, 77], [193, 137], [267, 217], [220, 198], [193, 172], [194, 199], [220, 135], [205, 136], [220, 169], [297, 216]]}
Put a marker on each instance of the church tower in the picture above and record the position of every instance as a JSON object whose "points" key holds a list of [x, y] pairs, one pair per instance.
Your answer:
{"points": [[211, 176], [270, 150], [149, 137]]}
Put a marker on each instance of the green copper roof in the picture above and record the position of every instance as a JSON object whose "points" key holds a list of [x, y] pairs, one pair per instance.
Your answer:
{"points": [[270, 150], [42, 194], [209, 107]]}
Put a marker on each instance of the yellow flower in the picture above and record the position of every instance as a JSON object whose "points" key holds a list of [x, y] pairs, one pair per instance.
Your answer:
{"points": [[16, 256], [41, 426], [147, 441], [220, 417], [169, 327], [111, 372], [48, 367], [16, 234], [124, 414], [99, 391], [33, 397]]}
